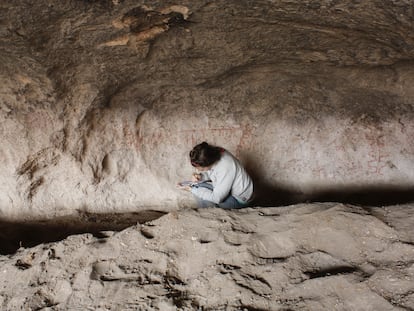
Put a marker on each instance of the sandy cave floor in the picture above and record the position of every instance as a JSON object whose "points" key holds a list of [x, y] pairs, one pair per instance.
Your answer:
{"points": [[319, 256]]}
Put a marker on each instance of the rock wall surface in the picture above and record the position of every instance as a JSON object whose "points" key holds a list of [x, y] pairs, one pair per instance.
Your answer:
{"points": [[303, 257], [100, 101]]}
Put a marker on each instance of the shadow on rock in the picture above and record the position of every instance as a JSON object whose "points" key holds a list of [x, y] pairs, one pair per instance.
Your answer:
{"points": [[267, 196], [16, 234], [370, 195]]}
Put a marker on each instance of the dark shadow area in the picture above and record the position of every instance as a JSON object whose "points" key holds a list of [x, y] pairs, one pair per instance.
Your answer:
{"points": [[367, 196], [265, 194], [16, 234], [268, 196]]}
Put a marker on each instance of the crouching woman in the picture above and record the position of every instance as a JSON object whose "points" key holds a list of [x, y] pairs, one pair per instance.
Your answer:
{"points": [[220, 180]]}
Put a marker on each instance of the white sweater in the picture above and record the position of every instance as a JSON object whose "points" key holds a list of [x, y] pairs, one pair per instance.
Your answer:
{"points": [[228, 177]]}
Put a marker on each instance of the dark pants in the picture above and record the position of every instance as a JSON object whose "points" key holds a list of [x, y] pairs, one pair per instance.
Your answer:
{"points": [[229, 203]]}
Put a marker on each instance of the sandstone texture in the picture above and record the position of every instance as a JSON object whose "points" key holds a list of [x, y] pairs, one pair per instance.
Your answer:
{"points": [[100, 101], [302, 257]]}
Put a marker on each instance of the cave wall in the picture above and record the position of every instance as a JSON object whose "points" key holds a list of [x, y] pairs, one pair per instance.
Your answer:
{"points": [[100, 101]]}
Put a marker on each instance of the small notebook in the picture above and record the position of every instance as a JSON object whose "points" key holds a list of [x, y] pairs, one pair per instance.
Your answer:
{"points": [[188, 183]]}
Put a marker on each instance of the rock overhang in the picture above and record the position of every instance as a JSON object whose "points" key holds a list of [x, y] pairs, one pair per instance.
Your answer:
{"points": [[101, 101]]}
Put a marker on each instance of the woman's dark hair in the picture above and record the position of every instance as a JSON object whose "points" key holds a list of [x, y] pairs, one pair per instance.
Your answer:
{"points": [[205, 155]]}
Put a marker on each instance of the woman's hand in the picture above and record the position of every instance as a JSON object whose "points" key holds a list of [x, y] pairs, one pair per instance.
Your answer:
{"points": [[184, 187], [196, 177]]}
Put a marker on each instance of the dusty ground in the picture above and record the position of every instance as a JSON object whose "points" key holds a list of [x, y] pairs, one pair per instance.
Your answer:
{"points": [[323, 256], [100, 102]]}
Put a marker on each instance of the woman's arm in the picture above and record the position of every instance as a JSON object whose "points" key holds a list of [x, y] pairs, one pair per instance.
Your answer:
{"points": [[223, 177]]}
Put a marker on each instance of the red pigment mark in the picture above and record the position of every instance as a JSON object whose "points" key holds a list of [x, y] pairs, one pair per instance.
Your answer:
{"points": [[194, 136], [37, 120], [128, 134], [290, 165], [190, 137], [320, 172], [378, 157], [245, 139], [378, 161]]}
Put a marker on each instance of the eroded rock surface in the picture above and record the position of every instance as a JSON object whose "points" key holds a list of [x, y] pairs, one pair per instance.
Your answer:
{"points": [[302, 257], [100, 101]]}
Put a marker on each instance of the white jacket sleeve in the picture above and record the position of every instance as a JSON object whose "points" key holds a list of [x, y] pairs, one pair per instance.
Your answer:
{"points": [[222, 178]]}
